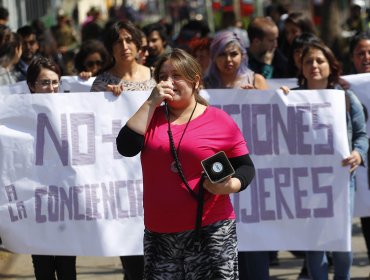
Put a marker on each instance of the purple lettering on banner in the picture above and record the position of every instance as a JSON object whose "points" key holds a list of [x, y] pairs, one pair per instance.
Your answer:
{"points": [[62, 147], [139, 197], [109, 201], [132, 197], [94, 202], [53, 204], [298, 193], [288, 130], [88, 206], [13, 217], [303, 149], [66, 201], [88, 120], [21, 209], [40, 218], [10, 191], [111, 138], [247, 126], [262, 135], [264, 174], [328, 148], [327, 211], [282, 180], [254, 216], [76, 191], [231, 109], [121, 213]]}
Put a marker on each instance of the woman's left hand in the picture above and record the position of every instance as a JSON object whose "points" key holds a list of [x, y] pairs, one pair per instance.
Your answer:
{"points": [[115, 89], [227, 186], [354, 160]]}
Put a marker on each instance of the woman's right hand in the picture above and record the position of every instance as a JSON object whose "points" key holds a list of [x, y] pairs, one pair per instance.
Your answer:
{"points": [[115, 89], [162, 91]]}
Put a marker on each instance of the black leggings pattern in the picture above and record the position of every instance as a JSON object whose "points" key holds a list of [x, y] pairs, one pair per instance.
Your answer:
{"points": [[173, 256]]}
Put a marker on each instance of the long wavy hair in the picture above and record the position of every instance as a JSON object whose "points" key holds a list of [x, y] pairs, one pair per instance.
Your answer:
{"points": [[218, 45]]}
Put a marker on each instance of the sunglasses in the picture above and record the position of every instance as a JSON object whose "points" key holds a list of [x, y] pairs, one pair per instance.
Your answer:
{"points": [[144, 48], [92, 63], [48, 83]]}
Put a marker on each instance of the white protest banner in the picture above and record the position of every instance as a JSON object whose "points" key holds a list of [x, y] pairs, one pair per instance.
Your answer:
{"points": [[65, 189], [297, 145], [278, 83], [17, 88], [360, 85], [76, 84]]}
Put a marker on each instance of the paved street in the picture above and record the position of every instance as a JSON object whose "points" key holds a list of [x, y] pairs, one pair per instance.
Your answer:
{"points": [[19, 267]]}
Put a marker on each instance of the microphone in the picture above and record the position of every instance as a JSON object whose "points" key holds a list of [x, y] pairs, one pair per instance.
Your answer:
{"points": [[217, 167]]}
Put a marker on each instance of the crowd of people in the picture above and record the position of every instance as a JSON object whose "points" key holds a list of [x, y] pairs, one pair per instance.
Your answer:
{"points": [[124, 56]]}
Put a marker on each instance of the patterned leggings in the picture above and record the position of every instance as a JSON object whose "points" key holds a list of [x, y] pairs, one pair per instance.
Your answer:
{"points": [[173, 256]]}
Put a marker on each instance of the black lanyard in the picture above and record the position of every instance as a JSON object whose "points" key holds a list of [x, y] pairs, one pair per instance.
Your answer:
{"points": [[198, 197]]}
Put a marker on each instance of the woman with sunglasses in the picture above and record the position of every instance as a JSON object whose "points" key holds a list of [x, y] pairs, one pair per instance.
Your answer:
{"points": [[91, 59], [123, 40], [43, 76]]}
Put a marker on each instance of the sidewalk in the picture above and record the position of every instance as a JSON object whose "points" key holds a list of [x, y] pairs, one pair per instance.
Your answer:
{"points": [[19, 267]]}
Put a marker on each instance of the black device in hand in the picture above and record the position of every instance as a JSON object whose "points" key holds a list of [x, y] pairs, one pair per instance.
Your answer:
{"points": [[217, 167]]}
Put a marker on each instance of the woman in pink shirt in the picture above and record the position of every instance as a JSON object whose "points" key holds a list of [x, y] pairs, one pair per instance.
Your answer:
{"points": [[180, 134]]}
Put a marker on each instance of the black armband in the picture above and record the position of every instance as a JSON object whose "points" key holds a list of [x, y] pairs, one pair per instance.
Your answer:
{"points": [[244, 170], [129, 143]]}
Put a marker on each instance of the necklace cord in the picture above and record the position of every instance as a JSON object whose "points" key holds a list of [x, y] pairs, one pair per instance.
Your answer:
{"points": [[175, 151], [198, 197]]}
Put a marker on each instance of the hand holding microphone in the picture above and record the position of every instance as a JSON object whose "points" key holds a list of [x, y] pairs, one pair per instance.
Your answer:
{"points": [[219, 173], [161, 92]]}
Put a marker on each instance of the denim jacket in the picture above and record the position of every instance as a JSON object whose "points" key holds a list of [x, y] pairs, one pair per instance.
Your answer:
{"points": [[356, 126]]}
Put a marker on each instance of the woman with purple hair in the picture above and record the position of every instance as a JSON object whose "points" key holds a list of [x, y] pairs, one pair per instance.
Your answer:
{"points": [[229, 64]]}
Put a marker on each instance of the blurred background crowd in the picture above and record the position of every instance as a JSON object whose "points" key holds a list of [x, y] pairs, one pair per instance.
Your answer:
{"points": [[62, 27]]}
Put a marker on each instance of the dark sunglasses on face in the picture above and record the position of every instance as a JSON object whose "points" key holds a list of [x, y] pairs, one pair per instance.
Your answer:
{"points": [[91, 63], [144, 48]]}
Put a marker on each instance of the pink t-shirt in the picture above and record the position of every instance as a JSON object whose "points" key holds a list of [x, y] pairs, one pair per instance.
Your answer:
{"points": [[168, 205]]}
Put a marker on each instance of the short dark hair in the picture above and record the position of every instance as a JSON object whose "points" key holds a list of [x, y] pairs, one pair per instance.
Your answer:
{"points": [[159, 27], [26, 31], [35, 68], [4, 13], [356, 39]]}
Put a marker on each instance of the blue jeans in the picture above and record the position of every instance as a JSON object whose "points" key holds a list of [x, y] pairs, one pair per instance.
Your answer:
{"points": [[254, 265], [317, 264]]}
